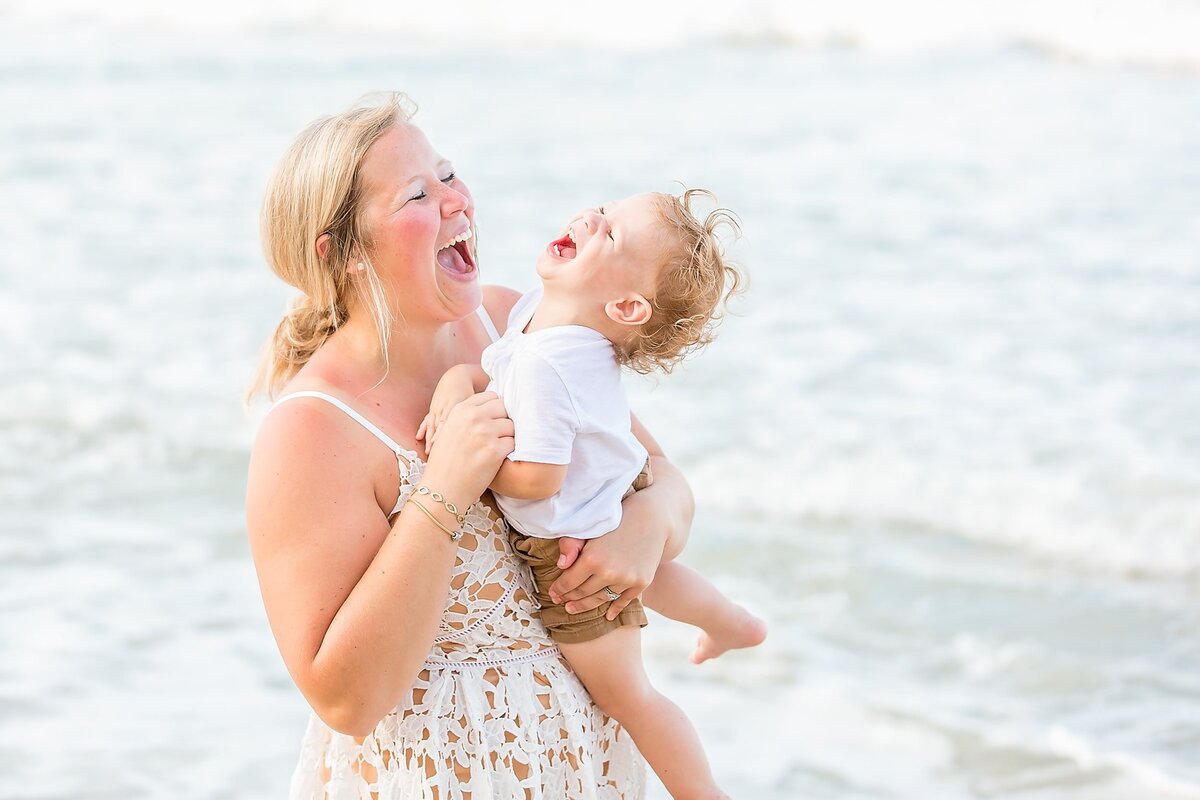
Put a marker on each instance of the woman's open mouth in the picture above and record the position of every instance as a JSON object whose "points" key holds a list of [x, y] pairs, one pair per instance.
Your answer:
{"points": [[455, 255], [564, 247]]}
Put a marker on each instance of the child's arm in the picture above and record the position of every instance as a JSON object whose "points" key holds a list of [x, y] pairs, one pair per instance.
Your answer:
{"points": [[456, 385], [529, 480], [545, 424]]}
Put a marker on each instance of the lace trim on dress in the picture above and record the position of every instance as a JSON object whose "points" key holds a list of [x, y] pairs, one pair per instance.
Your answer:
{"points": [[524, 658], [479, 623]]}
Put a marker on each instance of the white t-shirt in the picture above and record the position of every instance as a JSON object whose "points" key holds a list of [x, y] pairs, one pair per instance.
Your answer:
{"points": [[562, 389]]}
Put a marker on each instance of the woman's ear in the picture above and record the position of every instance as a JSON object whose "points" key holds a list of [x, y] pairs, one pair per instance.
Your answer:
{"points": [[323, 245], [632, 309]]}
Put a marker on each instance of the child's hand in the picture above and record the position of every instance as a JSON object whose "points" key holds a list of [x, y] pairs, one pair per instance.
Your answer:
{"points": [[568, 551], [454, 387]]}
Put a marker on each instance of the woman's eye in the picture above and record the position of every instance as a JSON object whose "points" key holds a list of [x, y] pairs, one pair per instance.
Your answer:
{"points": [[418, 196]]}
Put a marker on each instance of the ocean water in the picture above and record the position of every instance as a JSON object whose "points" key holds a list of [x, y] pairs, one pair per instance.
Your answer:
{"points": [[948, 446]]}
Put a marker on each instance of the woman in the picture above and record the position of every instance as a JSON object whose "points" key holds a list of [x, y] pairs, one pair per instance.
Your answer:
{"points": [[397, 604]]}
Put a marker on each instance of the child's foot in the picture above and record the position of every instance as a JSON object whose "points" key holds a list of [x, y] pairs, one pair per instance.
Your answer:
{"points": [[742, 630]]}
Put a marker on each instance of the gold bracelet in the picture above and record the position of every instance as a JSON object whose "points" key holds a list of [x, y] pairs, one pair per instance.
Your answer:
{"points": [[454, 535], [437, 498]]}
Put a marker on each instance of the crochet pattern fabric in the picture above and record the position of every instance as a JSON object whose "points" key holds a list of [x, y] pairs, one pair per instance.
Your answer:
{"points": [[495, 712]]}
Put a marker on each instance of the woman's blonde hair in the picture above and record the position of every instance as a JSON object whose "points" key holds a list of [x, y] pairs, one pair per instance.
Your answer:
{"points": [[695, 281], [316, 189]]}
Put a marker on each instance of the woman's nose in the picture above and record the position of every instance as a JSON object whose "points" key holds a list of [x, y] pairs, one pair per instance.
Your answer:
{"points": [[454, 201]]}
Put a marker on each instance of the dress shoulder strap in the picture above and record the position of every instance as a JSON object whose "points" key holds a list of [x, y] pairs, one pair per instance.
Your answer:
{"points": [[357, 417], [488, 325]]}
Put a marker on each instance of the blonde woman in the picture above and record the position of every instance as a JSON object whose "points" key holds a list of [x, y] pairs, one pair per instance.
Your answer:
{"points": [[395, 599]]}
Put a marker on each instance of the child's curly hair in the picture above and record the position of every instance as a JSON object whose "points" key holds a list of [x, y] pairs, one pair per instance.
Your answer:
{"points": [[695, 282]]}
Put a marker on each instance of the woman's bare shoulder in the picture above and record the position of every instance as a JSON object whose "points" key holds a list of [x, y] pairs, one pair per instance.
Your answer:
{"points": [[498, 302], [299, 457]]}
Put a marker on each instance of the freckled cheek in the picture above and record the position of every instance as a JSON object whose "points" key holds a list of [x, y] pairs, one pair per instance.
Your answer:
{"points": [[409, 236]]}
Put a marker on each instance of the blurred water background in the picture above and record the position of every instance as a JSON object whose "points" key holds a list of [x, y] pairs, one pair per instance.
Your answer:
{"points": [[950, 448]]}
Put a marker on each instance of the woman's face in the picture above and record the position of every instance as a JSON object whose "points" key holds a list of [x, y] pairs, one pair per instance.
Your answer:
{"points": [[421, 219]]}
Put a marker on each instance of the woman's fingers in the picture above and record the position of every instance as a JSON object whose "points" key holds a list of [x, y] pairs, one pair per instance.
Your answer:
{"points": [[593, 570], [478, 427], [599, 599], [482, 398], [618, 605], [580, 584], [567, 583]]}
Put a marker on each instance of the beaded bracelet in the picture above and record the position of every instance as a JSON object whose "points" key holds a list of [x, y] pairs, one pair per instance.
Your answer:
{"points": [[438, 498]]}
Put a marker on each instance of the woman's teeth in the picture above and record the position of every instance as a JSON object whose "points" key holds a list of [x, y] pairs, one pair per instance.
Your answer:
{"points": [[462, 237]]}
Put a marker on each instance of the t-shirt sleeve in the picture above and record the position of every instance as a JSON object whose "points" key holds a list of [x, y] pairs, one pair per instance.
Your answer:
{"points": [[542, 411]]}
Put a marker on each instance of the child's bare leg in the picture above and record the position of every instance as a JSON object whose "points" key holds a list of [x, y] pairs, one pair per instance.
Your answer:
{"points": [[683, 594], [611, 669]]}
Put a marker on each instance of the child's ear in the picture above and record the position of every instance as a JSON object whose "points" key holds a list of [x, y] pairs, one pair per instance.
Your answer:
{"points": [[632, 309]]}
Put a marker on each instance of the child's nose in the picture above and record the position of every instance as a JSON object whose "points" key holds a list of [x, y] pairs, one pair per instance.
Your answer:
{"points": [[591, 219]]}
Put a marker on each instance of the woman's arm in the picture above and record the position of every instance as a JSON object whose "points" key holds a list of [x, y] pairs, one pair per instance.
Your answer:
{"points": [[354, 602], [654, 527]]}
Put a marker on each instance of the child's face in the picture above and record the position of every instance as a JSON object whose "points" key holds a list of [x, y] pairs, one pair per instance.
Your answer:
{"points": [[607, 252]]}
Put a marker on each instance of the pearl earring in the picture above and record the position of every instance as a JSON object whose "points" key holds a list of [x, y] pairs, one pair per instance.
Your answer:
{"points": [[360, 267]]}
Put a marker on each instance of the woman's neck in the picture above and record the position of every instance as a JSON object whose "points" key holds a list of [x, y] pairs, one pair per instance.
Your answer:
{"points": [[418, 354]]}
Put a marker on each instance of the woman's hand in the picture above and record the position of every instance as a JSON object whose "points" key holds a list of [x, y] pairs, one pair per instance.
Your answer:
{"points": [[626, 559], [472, 443], [454, 387]]}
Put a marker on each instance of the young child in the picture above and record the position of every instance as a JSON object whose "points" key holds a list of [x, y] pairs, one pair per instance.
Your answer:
{"points": [[638, 283]]}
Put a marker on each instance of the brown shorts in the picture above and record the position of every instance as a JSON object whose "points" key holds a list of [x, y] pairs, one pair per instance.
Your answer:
{"points": [[643, 479], [542, 557]]}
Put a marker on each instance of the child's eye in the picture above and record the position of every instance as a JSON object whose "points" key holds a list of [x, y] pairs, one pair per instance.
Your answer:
{"points": [[449, 177], [610, 236]]}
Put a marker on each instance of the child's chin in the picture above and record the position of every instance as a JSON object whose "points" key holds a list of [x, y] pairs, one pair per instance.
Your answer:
{"points": [[546, 267]]}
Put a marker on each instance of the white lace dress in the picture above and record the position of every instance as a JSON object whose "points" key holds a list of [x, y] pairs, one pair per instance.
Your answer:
{"points": [[495, 714]]}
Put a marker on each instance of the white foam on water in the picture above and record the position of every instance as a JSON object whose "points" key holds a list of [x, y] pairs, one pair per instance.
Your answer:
{"points": [[1161, 33], [1042, 511]]}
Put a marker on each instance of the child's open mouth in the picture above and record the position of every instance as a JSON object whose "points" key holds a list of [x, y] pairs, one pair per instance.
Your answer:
{"points": [[563, 247], [455, 255]]}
